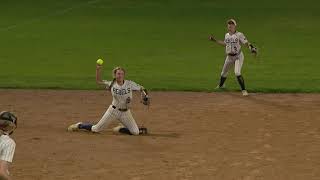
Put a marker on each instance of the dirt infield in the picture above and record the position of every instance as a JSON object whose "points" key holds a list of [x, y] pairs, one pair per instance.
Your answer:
{"points": [[193, 136]]}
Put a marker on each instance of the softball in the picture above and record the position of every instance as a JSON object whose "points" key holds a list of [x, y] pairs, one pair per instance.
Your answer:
{"points": [[100, 61]]}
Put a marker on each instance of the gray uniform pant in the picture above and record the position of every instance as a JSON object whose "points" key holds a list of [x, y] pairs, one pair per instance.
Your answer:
{"points": [[231, 61]]}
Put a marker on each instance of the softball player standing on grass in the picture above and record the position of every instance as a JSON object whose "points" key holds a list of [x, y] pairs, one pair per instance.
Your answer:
{"points": [[232, 42], [121, 90], [8, 123]]}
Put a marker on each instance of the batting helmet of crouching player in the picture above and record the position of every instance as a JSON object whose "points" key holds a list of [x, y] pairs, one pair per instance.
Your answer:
{"points": [[8, 122]]}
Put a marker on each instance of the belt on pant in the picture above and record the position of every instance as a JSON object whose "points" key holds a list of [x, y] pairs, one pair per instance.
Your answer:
{"points": [[232, 54], [122, 110]]}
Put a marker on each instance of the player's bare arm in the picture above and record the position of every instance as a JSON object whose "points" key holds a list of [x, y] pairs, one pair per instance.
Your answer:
{"points": [[212, 38], [99, 80], [145, 99], [4, 169]]}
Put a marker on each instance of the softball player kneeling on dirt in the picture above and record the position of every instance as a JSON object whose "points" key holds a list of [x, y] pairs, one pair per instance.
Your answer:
{"points": [[8, 123], [121, 90]]}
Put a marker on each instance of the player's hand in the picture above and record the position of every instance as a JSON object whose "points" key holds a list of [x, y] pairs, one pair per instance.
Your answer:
{"points": [[254, 51], [145, 99], [98, 66], [212, 38]]}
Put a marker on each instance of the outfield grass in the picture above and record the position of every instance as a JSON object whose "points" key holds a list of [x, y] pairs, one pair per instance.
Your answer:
{"points": [[163, 44]]}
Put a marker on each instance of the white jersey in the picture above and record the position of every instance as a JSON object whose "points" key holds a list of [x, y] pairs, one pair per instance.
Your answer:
{"points": [[233, 41], [122, 95], [7, 148]]}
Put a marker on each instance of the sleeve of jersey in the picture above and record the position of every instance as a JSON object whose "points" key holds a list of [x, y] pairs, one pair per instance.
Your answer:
{"points": [[243, 39], [135, 86], [8, 152], [107, 83]]}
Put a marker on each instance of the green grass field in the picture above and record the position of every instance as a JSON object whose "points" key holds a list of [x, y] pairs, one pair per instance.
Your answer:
{"points": [[163, 44]]}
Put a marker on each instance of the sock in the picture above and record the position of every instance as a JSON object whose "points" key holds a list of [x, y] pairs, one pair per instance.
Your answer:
{"points": [[85, 126], [222, 80], [241, 82], [125, 131]]}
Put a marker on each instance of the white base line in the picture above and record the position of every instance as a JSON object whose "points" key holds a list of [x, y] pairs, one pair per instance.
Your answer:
{"points": [[57, 13]]}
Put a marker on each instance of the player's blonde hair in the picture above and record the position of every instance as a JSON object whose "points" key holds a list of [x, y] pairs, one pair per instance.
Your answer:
{"points": [[114, 71]]}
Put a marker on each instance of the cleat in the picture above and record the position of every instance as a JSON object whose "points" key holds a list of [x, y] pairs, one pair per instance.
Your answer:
{"points": [[220, 87], [245, 93], [74, 127], [143, 130]]}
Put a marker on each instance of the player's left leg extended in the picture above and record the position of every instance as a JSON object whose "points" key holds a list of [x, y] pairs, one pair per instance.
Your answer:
{"points": [[226, 67], [106, 119], [237, 71]]}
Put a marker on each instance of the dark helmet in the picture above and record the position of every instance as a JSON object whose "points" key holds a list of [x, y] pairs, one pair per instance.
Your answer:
{"points": [[8, 122]]}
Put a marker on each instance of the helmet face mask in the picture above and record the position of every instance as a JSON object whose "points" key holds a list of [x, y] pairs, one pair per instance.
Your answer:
{"points": [[8, 122]]}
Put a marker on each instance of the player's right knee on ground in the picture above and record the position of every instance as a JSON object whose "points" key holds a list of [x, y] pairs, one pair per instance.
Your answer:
{"points": [[134, 131]]}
